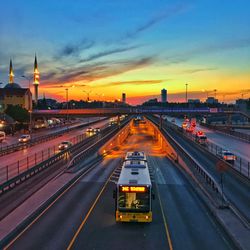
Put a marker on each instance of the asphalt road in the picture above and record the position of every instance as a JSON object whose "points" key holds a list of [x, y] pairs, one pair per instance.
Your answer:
{"points": [[236, 146], [46, 131], [37, 153], [83, 218], [236, 189]]}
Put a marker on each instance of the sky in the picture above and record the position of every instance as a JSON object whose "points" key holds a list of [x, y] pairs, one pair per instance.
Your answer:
{"points": [[107, 47]]}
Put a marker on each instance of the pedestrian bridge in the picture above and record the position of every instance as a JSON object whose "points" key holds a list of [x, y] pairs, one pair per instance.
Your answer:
{"points": [[131, 111]]}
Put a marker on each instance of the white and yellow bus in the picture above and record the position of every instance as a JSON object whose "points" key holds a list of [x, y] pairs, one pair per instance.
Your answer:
{"points": [[136, 155], [133, 193]]}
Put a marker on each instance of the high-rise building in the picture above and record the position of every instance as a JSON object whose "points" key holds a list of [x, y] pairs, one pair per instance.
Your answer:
{"points": [[163, 95], [36, 80], [124, 97]]}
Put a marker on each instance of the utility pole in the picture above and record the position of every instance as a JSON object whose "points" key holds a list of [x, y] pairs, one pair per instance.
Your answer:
{"points": [[215, 90], [67, 103], [186, 92]]}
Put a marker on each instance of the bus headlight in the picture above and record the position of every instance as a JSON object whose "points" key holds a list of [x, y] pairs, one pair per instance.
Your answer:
{"points": [[120, 216], [146, 217]]}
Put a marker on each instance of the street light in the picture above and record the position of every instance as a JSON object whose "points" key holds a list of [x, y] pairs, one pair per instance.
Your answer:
{"points": [[67, 103], [30, 103], [215, 90], [186, 91], [87, 92]]}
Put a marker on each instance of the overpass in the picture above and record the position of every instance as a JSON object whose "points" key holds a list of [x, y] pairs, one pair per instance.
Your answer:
{"points": [[132, 111]]}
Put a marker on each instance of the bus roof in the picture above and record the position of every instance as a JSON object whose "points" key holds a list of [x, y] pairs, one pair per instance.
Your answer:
{"points": [[134, 174], [135, 155]]}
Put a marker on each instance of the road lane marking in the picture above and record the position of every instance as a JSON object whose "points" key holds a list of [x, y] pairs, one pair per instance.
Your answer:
{"points": [[164, 220], [162, 212], [47, 208], [88, 214]]}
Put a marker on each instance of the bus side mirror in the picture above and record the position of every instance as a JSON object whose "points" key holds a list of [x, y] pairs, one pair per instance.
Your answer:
{"points": [[153, 196], [114, 194]]}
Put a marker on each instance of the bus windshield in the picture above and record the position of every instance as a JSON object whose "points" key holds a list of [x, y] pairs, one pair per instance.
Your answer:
{"points": [[136, 202]]}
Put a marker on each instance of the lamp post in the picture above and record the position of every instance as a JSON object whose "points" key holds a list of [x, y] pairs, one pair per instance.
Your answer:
{"points": [[67, 103], [87, 92], [30, 103], [215, 90], [186, 92]]}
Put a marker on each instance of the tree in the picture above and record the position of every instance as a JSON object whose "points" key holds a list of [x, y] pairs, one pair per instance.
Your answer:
{"points": [[18, 113]]}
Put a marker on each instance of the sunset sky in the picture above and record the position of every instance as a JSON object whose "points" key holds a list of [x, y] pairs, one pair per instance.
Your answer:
{"points": [[137, 47]]}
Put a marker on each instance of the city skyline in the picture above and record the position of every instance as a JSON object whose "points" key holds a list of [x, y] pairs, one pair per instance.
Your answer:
{"points": [[111, 48]]}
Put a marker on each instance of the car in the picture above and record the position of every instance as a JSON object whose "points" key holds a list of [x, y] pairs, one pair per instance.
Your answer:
{"points": [[64, 145], [227, 156], [97, 130], [24, 138], [90, 129], [201, 138]]}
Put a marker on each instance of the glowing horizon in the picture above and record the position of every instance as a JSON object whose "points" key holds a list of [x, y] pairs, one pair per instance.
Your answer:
{"points": [[111, 48]]}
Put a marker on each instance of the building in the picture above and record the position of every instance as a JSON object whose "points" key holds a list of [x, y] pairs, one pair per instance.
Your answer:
{"points": [[243, 104], [124, 97], [13, 94], [212, 100], [194, 101], [36, 80], [163, 95]]}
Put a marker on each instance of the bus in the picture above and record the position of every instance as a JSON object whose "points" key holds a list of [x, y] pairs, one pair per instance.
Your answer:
{"points": [[133, 194], [136, 155]]}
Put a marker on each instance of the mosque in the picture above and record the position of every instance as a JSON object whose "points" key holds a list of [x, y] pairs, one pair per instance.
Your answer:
{"points": [[13, 94]]}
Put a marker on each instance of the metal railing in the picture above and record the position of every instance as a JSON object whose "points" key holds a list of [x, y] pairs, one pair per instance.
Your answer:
{"points": [[85, 143], [240, 165], [202, 172], [240, 135], [20, 146]]}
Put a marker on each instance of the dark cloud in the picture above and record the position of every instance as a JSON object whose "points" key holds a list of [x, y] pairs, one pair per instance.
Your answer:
{"points": [[74, 49], [107, 53], [193, 71], [167, 13], [208, 49], [139, 82], [89, 73]]}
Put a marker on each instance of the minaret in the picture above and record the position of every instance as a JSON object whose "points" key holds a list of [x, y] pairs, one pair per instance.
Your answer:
{"points": [[11, 73], [36, 80]]}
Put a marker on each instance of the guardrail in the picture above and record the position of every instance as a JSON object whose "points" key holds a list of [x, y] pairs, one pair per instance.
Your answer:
{"points": [[19, 146], [242, 136], [98, 143], [11, 170], [207, 177], [75, 149], [240, 165]]}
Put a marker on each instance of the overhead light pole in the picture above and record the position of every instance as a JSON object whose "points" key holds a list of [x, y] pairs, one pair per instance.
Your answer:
{"points": [[215, 90], [87, 92], [186, 92], [67, 103]]}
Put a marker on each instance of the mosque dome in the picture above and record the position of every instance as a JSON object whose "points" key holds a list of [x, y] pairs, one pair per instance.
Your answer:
{"points": [[12, 86]]}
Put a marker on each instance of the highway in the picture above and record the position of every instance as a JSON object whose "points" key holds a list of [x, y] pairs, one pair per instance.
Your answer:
{"points": [[83, 217], [236, 146], [10, 140], [17, 161], [236, 188]]}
